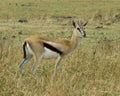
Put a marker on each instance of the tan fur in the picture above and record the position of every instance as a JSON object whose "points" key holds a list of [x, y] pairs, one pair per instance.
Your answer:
{"points": [[64, 45]]}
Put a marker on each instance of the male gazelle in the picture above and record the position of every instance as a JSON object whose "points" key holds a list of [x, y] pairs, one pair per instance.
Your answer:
{"points": [[44, 48]]}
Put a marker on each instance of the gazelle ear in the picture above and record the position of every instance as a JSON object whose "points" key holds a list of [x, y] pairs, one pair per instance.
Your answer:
{"points": [[84, 24], [73, 22]]}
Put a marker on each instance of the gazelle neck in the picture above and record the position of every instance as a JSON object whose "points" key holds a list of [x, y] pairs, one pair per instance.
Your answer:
{"points": [[74, 39]]}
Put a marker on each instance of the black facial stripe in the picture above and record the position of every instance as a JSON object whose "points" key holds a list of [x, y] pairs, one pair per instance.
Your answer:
{"points": [[79, 29], [52, 48]]}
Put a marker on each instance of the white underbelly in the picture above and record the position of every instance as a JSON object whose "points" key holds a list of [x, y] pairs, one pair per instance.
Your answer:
{"points": [[49, 53]]}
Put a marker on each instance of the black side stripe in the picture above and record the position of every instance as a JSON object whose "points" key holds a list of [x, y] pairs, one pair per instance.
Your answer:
{"points": [[52, 48], [24, 56]]}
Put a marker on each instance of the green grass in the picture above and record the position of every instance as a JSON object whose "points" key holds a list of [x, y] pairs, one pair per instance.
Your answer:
{"points": [[91, 70]]}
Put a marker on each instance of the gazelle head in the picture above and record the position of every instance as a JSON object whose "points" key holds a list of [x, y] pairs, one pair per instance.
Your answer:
{"points": [[80, 28]]}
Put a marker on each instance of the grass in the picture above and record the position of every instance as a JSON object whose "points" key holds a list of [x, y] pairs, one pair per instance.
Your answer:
{"points": [[91, 70]]}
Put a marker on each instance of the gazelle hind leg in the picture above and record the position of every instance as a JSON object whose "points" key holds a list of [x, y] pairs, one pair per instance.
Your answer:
{"points": [[22, 64]]}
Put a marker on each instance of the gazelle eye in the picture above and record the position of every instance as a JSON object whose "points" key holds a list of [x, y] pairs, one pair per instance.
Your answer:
{"points": [[78, 29]]}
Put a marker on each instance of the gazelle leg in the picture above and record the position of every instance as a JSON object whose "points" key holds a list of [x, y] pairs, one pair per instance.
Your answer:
{"points": [[22, 64], [58, 64], [60, 68], [36, 64]]}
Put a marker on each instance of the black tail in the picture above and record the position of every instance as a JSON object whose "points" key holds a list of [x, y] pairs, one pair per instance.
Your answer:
{"points": [[24, 51]]}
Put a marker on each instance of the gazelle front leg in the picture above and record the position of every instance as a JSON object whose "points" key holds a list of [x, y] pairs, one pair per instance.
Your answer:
{"points": [[58, 64]]}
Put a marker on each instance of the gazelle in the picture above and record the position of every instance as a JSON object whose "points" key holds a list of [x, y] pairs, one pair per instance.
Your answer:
{"points": [[44, 48]]}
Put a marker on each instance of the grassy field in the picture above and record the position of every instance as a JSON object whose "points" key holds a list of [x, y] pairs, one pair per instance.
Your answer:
{"points": [[93, 69]]}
